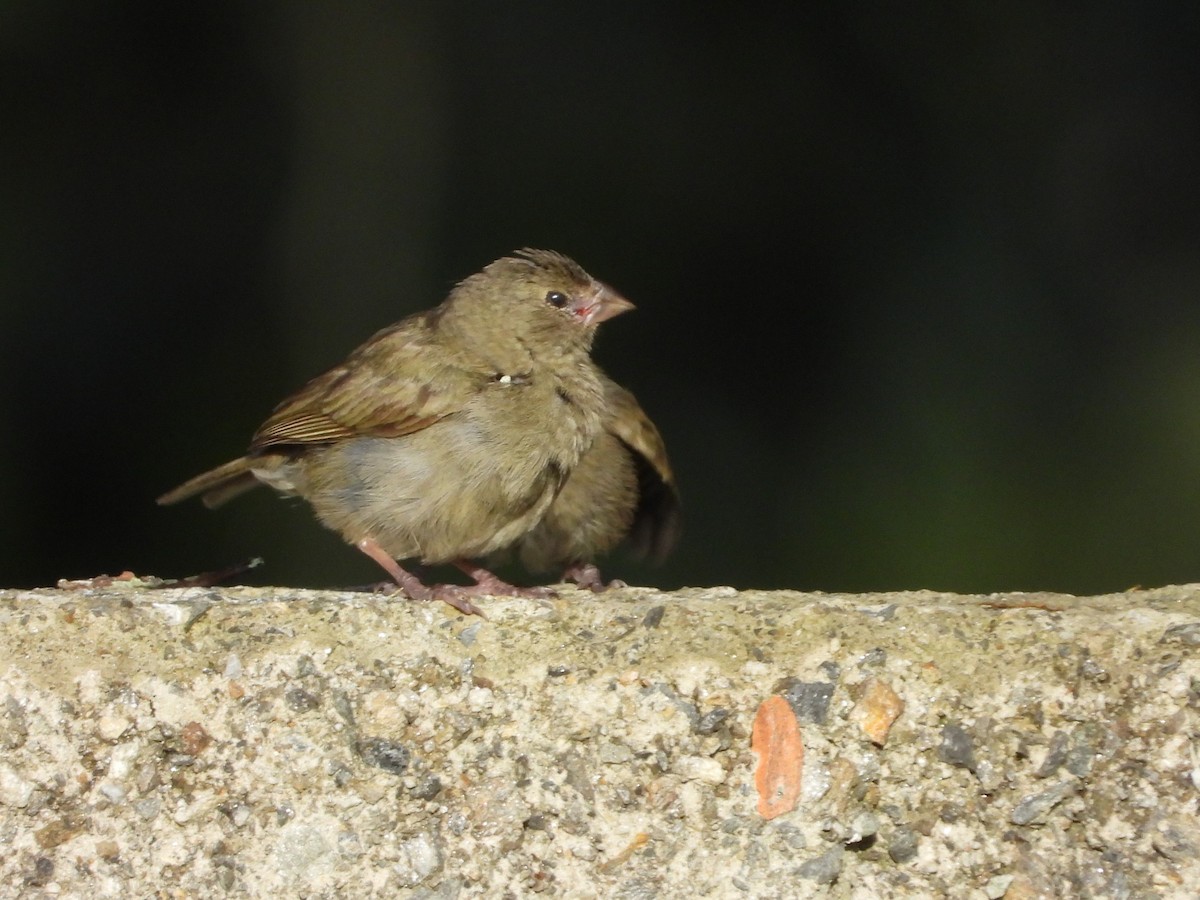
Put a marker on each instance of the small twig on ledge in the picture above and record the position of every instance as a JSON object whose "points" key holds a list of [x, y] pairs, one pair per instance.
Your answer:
{"points": [[128, 580], [208, 579]]}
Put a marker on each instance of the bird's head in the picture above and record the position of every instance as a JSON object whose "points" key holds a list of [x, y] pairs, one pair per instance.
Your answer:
{"points": [[538, 298]]}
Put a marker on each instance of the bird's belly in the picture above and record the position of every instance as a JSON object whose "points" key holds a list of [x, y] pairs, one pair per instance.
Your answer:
{"points": [[451, 490]]}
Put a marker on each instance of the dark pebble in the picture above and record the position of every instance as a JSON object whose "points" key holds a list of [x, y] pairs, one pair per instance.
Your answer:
{"points": [[956, 747], [301, 700], [876, 657], [384, 754], [1188, 635], [712, 720], [654, 617], [1055, 756], [823, 869], [809, 699], [1036, 807], [426, 788], [903, 845], [43, 871]]}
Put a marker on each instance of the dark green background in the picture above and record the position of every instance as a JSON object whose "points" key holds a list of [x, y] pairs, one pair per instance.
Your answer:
{"points": [[918, 287]]}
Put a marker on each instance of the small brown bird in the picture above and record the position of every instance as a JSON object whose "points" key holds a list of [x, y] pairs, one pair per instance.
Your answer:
{"points": [[622, 489], [447, 436]]}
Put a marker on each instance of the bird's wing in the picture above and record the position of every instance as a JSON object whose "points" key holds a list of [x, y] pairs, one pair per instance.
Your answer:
{"points": [[658, 518], [399, 382]]}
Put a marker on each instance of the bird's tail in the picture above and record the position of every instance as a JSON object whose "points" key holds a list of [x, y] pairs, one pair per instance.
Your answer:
{"points": [[218, 486]]}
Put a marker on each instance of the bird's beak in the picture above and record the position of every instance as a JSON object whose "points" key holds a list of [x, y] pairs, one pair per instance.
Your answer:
{"points": [[602, 305]]}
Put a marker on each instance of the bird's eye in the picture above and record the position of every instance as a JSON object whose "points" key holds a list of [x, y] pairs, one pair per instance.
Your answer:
{"points": [[557, 299]]}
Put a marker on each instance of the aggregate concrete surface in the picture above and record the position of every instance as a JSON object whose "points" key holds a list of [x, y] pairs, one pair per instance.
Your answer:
{"points": [[246, 742]]}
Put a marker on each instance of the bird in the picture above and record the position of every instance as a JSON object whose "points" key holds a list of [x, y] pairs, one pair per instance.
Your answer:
{"points": [[447, 436], [622, 490]]}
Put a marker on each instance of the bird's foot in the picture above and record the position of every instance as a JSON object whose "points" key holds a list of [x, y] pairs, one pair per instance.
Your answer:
{"points": [[587, 577], [413, 587], [492, 585]]}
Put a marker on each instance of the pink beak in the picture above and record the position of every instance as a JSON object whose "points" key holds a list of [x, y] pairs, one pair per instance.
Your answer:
{"points": [[603, 305]]}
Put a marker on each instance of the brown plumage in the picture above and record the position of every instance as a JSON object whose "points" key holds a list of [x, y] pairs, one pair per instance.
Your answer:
{"points": [[622, 489], [447, 436]]}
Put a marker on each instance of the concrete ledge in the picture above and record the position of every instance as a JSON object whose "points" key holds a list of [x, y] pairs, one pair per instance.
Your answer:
{"points": [[245, 742]]}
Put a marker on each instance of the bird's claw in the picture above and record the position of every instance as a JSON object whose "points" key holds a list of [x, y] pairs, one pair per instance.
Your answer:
{"points": [[494, 587], [587, 577], [458, 597]]}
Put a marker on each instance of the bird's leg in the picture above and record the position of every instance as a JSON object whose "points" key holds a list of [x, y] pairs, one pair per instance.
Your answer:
{"points": [[587, 577], [488, 584], [408, 582], [411, 585]]}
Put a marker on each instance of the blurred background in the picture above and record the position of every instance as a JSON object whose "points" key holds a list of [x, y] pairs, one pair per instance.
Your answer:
{"points": [[918, 288]]}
